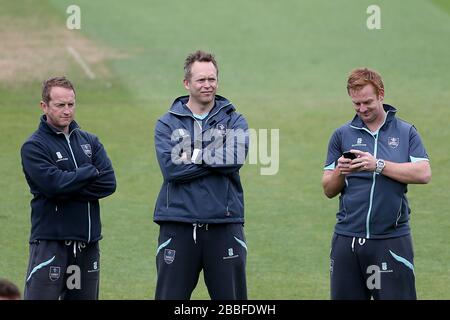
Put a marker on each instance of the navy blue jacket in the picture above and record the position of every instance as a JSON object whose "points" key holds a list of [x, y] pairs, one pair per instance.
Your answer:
{"points": [[372, 205], [205, 191], [67, 175]]}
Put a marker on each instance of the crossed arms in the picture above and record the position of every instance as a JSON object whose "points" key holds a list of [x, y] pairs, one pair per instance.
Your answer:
{"points": [[88, 182]]}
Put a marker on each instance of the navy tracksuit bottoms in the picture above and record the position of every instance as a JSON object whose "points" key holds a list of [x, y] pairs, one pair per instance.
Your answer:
{"points": [[372, 268], [66, 270], [185, 249]]}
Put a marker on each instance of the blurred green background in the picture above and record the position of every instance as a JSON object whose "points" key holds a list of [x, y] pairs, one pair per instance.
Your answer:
{"points": [[284, 66]]}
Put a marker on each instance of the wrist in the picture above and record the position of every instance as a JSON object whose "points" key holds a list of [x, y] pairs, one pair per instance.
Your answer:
{"points": [[338, 173]]}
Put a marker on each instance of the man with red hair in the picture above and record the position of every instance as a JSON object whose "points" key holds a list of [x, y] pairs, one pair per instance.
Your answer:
{"points": [[370, 162]]}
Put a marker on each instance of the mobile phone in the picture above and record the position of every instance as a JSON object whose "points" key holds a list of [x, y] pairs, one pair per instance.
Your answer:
{"points": [[349, 155]]}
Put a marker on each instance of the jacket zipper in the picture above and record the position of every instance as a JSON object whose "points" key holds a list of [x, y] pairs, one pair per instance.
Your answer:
{"points": [[372, 189], [374, 175], [369, 211], [89, 221], [76, 166]]}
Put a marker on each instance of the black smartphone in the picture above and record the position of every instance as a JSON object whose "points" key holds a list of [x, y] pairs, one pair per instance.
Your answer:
{"points": [[349, 155]]}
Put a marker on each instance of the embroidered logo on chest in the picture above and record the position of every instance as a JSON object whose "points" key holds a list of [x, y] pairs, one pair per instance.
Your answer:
{"points": [[393, 142], [87, 149]]}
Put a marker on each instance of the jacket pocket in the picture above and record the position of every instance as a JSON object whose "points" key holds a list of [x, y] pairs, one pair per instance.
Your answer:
{"points": [[342, 214], [402, 215]]}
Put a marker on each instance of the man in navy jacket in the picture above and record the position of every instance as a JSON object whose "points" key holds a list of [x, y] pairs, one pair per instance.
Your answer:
{"points": [[68, 171], [201, 144], [372, 252]]}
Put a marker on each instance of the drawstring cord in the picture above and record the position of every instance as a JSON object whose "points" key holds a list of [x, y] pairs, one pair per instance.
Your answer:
{"points": [[194, 232], [79, 244], [361, 242]]}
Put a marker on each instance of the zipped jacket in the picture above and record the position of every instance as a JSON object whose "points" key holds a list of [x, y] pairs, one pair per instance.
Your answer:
{"points": [[67, 175], [372, 205], [207, 188]]}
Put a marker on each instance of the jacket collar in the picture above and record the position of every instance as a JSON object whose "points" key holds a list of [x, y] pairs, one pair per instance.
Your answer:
{"points": [[46, 127], [390, 115], [179, 106]]}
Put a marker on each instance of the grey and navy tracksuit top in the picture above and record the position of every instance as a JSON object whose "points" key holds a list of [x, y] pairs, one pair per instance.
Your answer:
{"points": [[200, 192], [372, 205], [67, 175]]}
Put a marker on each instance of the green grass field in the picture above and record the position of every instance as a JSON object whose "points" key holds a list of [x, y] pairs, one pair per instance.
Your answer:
{"points": [[284, 65]]}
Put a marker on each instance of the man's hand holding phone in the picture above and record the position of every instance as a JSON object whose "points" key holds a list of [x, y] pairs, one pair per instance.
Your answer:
{"points": [[356, 161], [349, 155], [344, 163]]}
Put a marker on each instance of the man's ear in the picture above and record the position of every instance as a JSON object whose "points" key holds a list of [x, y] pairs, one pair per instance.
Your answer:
{"points": [[186, 84], [381, 94], [44, 107]]}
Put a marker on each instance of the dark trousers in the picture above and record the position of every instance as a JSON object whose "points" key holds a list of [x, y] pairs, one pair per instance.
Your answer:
{"points": [[66, 270], [185, 249], [372, 268]]}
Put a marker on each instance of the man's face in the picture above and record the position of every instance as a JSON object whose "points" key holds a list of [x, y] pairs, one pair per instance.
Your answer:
{"points": [[60, 110], [368, 105], [202, 85]]}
